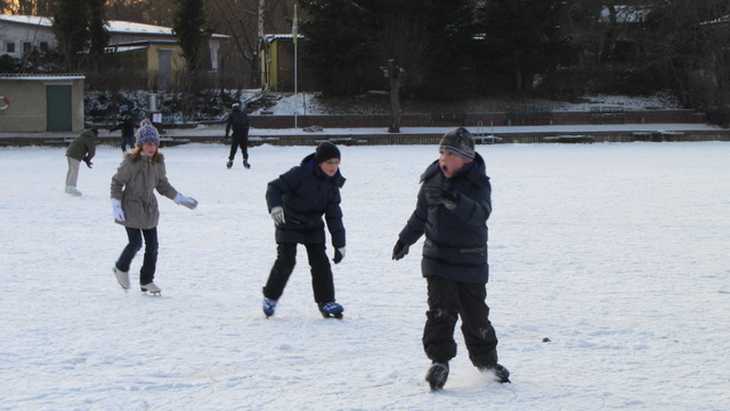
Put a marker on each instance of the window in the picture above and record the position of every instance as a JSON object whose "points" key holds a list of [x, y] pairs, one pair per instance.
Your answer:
{"points": [[44, 46], [10, 47], [27, 47]]}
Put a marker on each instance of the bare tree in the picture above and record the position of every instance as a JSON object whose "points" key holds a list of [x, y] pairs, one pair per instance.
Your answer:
{"points": [[246, 21]]}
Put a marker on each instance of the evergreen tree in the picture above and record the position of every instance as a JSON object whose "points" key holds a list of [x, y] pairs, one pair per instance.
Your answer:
{"points": [[521, 38], [348, 40], [190, 28], [339, 44], [97, 28], [71, 26]]}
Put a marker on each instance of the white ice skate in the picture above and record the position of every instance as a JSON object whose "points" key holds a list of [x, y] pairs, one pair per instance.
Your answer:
{"points": [[150, 288], [73, 191], [122, 277]]}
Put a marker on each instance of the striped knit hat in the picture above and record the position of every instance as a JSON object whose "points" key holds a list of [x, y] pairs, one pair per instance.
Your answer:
{"points": [[459, 142]]}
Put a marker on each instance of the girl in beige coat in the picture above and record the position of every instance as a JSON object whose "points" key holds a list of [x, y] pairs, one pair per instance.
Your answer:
{"points": [[134, 205]]}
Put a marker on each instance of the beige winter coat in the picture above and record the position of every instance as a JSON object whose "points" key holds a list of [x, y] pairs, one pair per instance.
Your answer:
{"points": [[134, 185]]}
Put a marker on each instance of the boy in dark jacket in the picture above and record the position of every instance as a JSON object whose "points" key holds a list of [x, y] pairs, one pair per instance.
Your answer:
{"points": [[238, 122], [126, 124], [83, 148], [297, 200], [452, 210]]}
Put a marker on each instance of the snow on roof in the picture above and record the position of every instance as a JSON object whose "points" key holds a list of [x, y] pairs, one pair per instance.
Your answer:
{"points": [[41, 76], [720, 20], [124, 49], [34, 20], [285, 36], [625, 14], [113, 26]]}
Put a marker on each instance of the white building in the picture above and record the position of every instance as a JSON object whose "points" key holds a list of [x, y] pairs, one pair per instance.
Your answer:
{"points": [[20, 34]]}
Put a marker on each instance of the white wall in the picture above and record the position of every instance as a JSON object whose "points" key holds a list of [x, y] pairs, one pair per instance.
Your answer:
{"points": [[18, 34]]}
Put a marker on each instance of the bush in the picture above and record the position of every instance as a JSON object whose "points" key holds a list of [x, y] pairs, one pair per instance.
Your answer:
{"points": [[8, 64]]}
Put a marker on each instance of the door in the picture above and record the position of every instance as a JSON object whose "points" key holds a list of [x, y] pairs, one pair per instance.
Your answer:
{"points": [[165, 73], [58, 108]]}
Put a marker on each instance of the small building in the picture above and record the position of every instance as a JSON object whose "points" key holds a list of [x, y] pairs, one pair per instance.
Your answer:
{"points": [[157, 61], [277, 63], [41, 102]]}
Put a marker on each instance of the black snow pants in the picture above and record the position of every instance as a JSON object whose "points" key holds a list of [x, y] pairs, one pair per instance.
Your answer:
{"points": [[127, 140], [447, 300], [239, 140], [322, 282]]}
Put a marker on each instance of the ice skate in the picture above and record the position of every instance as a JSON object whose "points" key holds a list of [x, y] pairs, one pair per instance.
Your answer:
{"points": [[501, 374], [331, 310], [269, 306], [437, 375], [229, 164], [150, 288], [246, 164], [73, 191], [122, 277]]}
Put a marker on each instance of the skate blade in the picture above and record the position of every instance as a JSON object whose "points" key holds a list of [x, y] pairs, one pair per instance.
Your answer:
{"points": [[152, 293], [335, 316]]}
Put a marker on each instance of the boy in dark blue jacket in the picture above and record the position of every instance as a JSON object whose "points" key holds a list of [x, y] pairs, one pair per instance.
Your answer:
{"points": [[297, 200], [453, 206]]}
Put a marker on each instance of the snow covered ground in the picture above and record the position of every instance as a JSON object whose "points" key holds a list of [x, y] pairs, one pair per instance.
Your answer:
{"points": [[616, 252], [315, 104]]}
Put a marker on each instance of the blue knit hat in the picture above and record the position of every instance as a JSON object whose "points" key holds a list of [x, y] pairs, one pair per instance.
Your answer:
{"points": [[147, 133]]}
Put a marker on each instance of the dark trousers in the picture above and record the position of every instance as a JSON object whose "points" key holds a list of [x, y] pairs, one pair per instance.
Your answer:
{"points": [[127, 141], [239, 140], [447, 300], [147, 273], [322, 282]]}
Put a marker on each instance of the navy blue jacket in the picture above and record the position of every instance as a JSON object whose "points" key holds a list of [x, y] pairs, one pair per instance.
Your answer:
{"points": [[456, 240], [306, 193]]}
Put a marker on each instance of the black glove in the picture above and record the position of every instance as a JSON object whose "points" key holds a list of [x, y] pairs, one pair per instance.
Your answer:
{"points": [[449, 199], [400, 249], [339, 255], [436, 196], [87, 161]]}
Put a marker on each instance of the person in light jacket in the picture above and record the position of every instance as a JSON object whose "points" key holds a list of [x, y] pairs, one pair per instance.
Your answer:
{"points": [[134, 205]]}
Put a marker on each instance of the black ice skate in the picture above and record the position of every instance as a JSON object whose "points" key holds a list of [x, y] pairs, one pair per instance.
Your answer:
{"points": [[229, 164], [246, 164], [437, 375], [501, 374]]}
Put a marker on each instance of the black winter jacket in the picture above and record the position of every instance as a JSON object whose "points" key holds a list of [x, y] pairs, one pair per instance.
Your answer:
{"points": [[456, 240], [238, 121], [306, 193], [127, 127]]}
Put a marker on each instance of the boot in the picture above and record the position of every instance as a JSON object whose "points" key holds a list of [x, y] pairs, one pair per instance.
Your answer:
{"points": [[501, 374], [229, 164], [437, 375], [246, 164]]}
